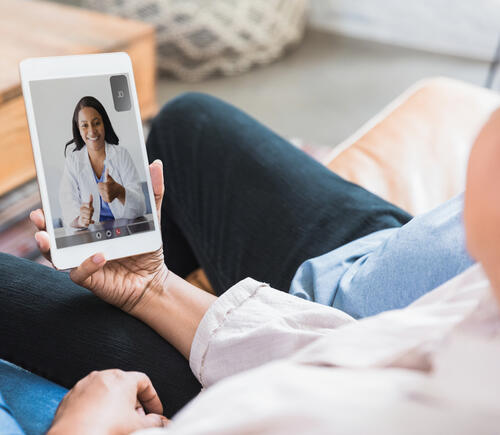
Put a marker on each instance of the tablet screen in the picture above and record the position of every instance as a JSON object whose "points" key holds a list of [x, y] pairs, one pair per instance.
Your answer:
{"points": [[92, 157]]}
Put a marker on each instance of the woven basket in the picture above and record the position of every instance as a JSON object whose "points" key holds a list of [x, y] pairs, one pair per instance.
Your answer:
{"points": [[199, 38]]}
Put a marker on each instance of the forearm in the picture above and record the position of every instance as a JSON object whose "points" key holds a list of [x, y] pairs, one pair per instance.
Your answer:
{"points": [[175, 310]]}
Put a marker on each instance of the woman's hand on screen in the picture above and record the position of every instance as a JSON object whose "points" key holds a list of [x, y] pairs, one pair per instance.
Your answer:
{"points": [[86, 213], [127, 283], [109, 189]]}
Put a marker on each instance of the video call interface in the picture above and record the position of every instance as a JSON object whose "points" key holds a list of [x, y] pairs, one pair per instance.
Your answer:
{"points": [[92, 158]]}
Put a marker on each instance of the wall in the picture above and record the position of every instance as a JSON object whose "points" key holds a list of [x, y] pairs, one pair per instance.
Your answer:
{"points": [[458, 27]]}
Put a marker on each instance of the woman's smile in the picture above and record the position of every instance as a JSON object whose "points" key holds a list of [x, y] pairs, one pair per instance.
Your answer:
{"points": [[91, 127]]}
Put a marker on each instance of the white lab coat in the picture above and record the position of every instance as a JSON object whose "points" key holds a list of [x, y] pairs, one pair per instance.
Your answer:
{"points": [[78, 182]]}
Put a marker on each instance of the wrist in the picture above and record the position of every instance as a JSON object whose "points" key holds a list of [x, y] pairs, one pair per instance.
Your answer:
{"points": [[153, 294], [174, 310]]}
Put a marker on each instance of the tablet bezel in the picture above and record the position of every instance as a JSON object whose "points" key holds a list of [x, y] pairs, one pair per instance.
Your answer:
{"points": [[62, 67]]}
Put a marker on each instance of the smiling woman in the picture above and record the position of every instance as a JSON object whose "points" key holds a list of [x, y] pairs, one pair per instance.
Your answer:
{"points": [[100, 181]]}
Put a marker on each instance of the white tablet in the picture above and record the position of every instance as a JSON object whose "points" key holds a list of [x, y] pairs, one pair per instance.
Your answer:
{"points": [[90, 156]]}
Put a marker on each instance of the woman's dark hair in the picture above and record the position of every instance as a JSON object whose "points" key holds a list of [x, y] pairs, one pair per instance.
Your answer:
{"points": [[109, 134]]}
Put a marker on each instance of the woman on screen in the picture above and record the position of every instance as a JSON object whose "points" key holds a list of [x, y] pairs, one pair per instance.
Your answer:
{"points": [[100, 181]]}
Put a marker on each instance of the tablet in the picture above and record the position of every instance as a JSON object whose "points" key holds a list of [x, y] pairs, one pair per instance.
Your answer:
{"points": [[90, 157]]}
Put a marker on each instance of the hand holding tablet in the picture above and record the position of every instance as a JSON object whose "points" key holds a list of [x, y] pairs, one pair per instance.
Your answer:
{"points": [[126, 283], [95, 187]]}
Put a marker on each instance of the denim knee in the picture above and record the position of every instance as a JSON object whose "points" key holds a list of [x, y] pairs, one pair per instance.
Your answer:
{"points": [[200, 127], [189, 107]]}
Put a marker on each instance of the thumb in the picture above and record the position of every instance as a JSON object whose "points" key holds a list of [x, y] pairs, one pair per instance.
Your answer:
{"points": [[156, 172], [91, 199], [83, 272], [152, 420]]}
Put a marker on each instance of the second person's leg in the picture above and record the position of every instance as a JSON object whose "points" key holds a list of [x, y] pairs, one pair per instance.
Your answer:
{"points": [[61, 331], [241, 201]]}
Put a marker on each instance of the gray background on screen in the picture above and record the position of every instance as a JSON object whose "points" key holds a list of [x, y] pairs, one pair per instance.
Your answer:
{"points": [[53, 103]]}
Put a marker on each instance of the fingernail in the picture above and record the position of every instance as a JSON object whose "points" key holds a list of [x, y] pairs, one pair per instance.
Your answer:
{"points": [[158, 161], [36, 238], [98, 258]]}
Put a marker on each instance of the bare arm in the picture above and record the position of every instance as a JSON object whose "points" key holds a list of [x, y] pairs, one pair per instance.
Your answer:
{"points": [[142, 285], [175, 311], [113, 401]]}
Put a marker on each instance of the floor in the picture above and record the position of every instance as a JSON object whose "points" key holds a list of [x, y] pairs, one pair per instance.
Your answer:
{"points": [[329, 85]]}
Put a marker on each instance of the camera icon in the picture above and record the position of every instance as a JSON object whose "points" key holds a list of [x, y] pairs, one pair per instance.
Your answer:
{"points": [[120, 92]]}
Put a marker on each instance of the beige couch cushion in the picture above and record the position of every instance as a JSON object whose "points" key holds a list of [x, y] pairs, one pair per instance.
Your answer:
{"points": [[414, 153]]}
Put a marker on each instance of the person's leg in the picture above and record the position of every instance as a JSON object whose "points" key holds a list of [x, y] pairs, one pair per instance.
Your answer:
{"points": [[241, 201], [415, 259], [60, 331], [8, 423], [32, 399]]}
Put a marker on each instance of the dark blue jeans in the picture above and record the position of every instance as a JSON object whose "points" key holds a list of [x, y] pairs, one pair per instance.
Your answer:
{"points": [[240, 201]]}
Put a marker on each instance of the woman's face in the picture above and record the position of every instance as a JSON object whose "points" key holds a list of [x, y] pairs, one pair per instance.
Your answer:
{"points": [[91, 128]]}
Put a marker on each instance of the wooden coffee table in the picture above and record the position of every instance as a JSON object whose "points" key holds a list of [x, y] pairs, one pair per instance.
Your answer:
{"points": [[36, 28]]}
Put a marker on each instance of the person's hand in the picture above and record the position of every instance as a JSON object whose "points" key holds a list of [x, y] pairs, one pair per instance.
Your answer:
{"points": [[109, 402], [109, 189], [127, 283], [86, 212]]}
